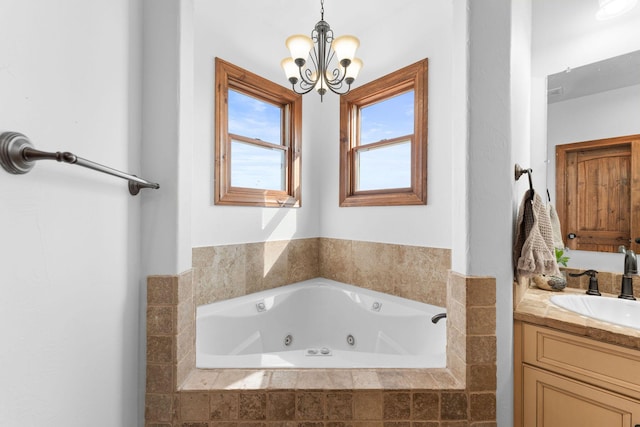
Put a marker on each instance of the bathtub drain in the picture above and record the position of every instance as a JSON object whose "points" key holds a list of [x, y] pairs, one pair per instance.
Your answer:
{"points": [[323, 351], [288, 340]]}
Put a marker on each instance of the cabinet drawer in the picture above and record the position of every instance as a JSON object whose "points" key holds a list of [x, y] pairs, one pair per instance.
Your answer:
{"points": [[612, 367], [552, 400]]}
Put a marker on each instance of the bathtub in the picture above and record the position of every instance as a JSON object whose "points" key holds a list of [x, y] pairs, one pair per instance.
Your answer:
{"points": [[320, 323]]}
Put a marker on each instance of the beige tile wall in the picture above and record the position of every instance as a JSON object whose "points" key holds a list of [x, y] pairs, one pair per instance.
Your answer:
{"points": [[222, 272], [608, 282], [414, 272], [463, 395]]}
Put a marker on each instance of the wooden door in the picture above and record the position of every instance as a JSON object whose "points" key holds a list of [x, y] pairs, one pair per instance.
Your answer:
{"points": [[551, 400], [598, 193]]}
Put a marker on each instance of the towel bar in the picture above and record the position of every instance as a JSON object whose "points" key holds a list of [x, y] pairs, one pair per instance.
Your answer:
{"points": [[17, 156]]}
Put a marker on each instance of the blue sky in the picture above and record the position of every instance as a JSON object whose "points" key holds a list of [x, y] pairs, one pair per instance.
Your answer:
{"points": [[253, 118], [254, 166], [388, 119], [388, 166], [257, 167]]}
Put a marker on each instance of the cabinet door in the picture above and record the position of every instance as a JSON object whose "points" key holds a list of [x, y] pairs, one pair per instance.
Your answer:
{"points": [[551, 400]]}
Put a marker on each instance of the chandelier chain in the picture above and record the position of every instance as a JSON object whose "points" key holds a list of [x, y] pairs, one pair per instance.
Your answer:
{"points": [[322, 10]]}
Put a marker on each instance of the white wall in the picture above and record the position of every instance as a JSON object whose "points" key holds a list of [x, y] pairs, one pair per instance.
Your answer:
{"points": [[521, 86], [520, 147], [392, 36], [69, 245], [255, 42], [491, 100], [423, 30], [167, 134]]}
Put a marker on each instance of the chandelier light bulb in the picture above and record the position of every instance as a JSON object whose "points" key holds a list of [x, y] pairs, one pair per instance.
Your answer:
{"points": [[353, 70], [290, 70], [299, 45], [345, 48]]}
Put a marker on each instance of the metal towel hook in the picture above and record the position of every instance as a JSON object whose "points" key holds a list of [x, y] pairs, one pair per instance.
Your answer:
{"points": [[17, 156], [519, 171]]}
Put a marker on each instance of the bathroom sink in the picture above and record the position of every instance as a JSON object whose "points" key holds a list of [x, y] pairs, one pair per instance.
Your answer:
{"points": [[613, 310]]}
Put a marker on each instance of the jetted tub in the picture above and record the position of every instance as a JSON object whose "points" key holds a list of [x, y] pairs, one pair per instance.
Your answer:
{"points": [[320, 323]]}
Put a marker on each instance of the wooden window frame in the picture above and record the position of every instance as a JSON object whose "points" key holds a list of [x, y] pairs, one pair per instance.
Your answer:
{"points": [[414, 77], [229, 76]]}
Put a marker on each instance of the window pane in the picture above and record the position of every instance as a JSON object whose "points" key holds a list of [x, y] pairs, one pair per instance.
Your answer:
{"points": [[253, 166], [387, 119], [388, 166], [253, 118]]}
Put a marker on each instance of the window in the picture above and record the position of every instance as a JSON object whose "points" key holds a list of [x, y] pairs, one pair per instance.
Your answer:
{"points": [[383, 140], [257, 147]]}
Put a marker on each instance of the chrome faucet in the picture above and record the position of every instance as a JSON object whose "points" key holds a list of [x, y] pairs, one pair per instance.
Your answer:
{"points": [[630, 270]]}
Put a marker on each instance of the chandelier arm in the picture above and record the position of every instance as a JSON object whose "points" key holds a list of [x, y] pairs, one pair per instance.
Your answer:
{"points": [[316, 62], [330, 54], [301, 91], [321, 55], [338, 76], [335, 77], [306, 84], [328, 36], [316, 41], [337, 90], [306, 77]]}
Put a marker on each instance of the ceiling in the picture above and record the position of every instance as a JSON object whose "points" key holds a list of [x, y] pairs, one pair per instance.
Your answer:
{"points": [[567, 20], [257, 29]]}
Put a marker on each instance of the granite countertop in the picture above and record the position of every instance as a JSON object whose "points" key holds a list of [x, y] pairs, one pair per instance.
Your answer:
{"points": [[536, 308]]}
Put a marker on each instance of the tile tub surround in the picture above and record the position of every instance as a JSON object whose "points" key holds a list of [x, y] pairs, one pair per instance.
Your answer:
{"points": [[179, 395], [414, 272]]}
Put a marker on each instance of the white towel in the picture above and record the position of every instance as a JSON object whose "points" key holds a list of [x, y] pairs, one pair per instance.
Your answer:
{"points": [[533, 249], [555, 227]]}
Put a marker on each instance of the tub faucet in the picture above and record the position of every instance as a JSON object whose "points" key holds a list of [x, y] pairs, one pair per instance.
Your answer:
{"points": [[630, 270]]}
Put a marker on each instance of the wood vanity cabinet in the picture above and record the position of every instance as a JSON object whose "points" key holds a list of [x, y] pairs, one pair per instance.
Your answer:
{"points": [[565, 380]]}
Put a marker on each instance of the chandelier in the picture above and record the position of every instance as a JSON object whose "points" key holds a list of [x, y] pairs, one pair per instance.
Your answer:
{"points": [[333, 64]]}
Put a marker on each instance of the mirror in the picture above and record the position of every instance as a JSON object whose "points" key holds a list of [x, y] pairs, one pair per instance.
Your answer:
{"points": [[567, 33], [596, 101]]}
